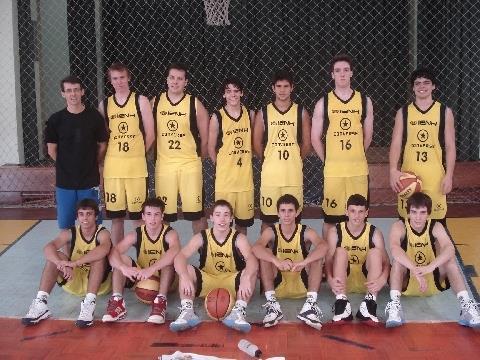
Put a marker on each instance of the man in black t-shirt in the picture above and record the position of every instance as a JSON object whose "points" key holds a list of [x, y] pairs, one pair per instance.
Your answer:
{"points": [[76, 139]]}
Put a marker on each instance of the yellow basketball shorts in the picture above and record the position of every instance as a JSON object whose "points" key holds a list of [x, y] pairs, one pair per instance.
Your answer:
{"points": [[242, 203], [123, 194], [291, 285], [207, 282], [79, 283]]}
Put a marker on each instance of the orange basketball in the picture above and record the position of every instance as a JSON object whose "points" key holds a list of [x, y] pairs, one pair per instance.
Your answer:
{"points": [[218, 303], [147, 290], [411, 183]]}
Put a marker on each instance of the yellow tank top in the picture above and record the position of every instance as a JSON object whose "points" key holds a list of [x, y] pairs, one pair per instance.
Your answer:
{"points": [[293, 249], [282, 164], [79, 246], [220, 258], [177, 136], [344, 150], [234, 171], [150, 250], [125, 157], [423, 140]]}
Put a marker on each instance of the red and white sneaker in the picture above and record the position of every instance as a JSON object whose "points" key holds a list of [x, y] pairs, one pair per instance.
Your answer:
{"points": [[159, 308], [115, 309]]}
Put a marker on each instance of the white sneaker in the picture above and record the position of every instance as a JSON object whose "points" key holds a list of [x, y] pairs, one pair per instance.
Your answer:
{"points": [[37, 312], [87, 309], [310, 314], [273, 313], [342, 311], [236, 319], [368, 310], [186, 320], [394, 314], [469, 313]]}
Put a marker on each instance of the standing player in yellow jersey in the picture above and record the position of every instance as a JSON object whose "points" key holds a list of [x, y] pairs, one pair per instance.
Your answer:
{"points": [[424, 131], [424, 263], [129, 119], [226, 261], [356, 262], [156, 245], [77, 260], [288, 268], [345, 116], [181, 125], [230, 148], [281, 137]]}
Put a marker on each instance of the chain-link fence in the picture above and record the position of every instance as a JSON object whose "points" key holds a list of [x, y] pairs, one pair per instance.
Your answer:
{"points": [[386, 39]]}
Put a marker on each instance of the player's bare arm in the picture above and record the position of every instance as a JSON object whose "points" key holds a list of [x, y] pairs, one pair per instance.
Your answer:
{"points": [[52, 249], [212, 138], [450, 152], [336, 284], [52, 150], [376, 285], [397, 232], [202, 124], [258, 131], [120, 249], [317, 130], [395, 151], [147, 120], [262, 253], [101, 150], [306, 145], [319, 252], [368, 125], [181, 264], [251, 266]]}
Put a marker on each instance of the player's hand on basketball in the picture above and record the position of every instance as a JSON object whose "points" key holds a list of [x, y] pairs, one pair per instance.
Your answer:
{"points": [[284, 265], [446, 185], [298, 266], [395, 180]]}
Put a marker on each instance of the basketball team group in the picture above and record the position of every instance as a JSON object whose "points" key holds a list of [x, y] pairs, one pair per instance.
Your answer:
{"points": [[289, 258]]}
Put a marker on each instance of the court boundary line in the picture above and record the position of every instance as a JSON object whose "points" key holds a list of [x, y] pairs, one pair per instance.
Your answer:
{"points": [[20, 237]]}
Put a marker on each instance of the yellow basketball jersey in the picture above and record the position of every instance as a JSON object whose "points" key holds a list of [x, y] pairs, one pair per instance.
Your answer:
{"points": [[150, 250], [125, 157], [79, 246], [343, 126], [234, 171], [357, 248], [282, 163], [420, 248], [220, 258], [178, 139], [423, 140]]}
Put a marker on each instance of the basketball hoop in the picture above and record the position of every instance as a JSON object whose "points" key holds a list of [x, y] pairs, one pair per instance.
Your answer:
{"points": [[217, 12]]}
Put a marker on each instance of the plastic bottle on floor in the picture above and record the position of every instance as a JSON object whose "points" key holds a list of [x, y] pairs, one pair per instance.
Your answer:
{"points": [[249, 348]]}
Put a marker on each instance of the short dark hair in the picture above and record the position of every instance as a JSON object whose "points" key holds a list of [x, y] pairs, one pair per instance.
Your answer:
{"points": [[177, 66], [341, 57], [288, 199], [221, 202], [282, 74], [154, 202], [70, 79], [118, 66], [418, 200], [88, 204], [423, 72], [232, 81], [357, 200]]}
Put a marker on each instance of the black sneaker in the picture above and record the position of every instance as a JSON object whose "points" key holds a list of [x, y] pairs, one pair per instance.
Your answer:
{"points": [[342, 311], [368, 310]]}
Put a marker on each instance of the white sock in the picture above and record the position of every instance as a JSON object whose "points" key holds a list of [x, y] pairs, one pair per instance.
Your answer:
{"points": [[463, 295], [313, 295], [157, 298], [90, 297], [187, 303], [341, 297], [117, 296], [373, 296], [42, 294], [270, 295], [241, 304], [395, 295]]}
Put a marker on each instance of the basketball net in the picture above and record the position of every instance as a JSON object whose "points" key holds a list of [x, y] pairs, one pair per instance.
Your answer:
{"points": [[217, 12]]}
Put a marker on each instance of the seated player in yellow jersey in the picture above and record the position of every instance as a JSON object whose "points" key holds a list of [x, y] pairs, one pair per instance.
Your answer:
{"points": [[288, 268], [356, 262], [77, 260], [230, 148], [424, 263], [156, 244], [226, 261]]}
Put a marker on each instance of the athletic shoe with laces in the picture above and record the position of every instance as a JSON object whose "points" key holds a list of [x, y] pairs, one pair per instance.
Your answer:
{"points": [[394, 313], [368, 310], [159, 307], [273, 313], [186, 320], [87, 309], [342, 311], [311, 314], [115, 309], [37, 312], [236, 319], [469, 313]]}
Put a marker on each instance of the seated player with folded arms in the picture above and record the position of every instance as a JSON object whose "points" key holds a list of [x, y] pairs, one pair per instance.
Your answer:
{"points": [[424, 263], [287, 268], [77, 260], [156, 244], [226, 261], [356, 262]]}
